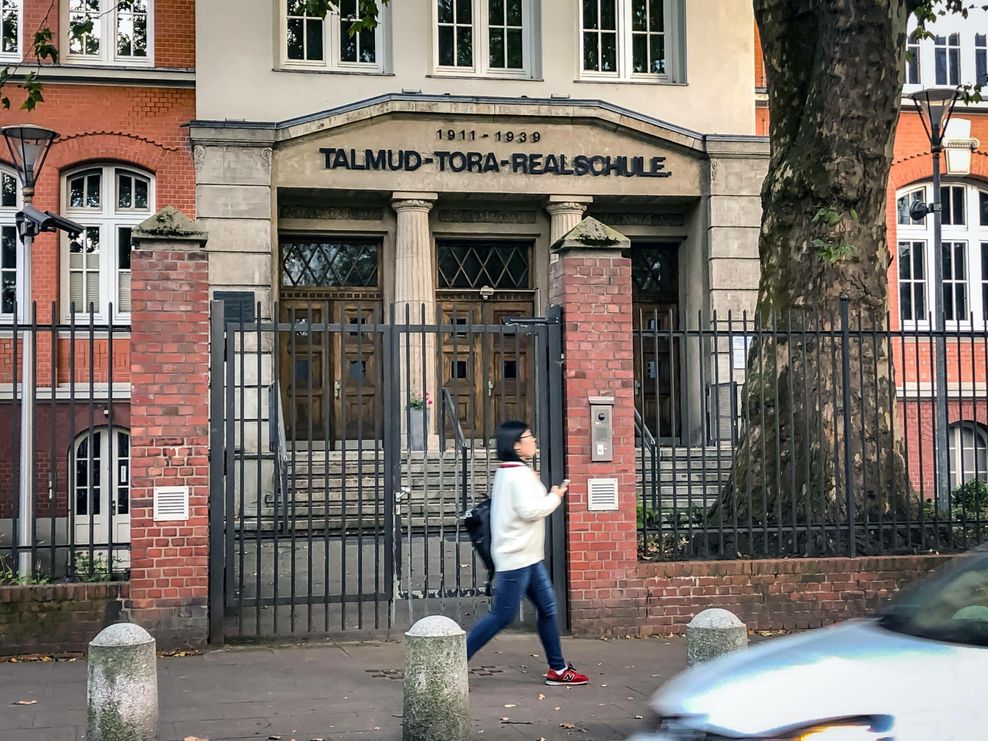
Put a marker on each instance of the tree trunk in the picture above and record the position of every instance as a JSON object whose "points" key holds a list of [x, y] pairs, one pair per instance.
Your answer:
{"points": [[834, 70]]}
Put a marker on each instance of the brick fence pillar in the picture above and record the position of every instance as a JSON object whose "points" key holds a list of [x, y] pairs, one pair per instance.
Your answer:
{"points": [[591, 280], [169, 428]]}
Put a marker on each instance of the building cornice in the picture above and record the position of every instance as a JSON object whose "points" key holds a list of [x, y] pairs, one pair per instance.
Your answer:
{"points": [[77, 74], [257, 133]]}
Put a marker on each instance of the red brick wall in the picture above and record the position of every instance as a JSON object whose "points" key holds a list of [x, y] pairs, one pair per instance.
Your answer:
{"points": [[66, 421], [56, 618], [767, 595], [170, 440], [594, 289]]}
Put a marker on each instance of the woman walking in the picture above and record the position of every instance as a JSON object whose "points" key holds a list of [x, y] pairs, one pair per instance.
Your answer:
{"points": [[519, 506]]}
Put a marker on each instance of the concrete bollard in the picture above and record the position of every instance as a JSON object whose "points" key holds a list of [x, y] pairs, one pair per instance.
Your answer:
{"points": [[122, 690], [714, 632], [437, 692]]}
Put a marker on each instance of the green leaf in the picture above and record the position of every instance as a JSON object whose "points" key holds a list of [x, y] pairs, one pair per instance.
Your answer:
{"points": [[854, 214]]}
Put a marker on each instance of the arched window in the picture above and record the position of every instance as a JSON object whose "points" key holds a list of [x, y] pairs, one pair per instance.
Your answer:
{"points": [[963, 256], [10, 196], [968, 442], [109, 201], [100, 473]]}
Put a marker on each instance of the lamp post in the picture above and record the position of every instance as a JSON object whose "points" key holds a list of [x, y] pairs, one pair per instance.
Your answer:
{"points": [[28, 146], [935, 107]]}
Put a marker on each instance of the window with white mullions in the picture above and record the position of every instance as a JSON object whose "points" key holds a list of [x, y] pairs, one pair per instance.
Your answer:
{"points": [[912, 281], [648, 37], [10, 29], [963, 256], [631, 39], [954, 265], [968, 445], [914, 59], [304, 35], [358, 47], [981, 59], [8, 245], [506, 34], [108, 31], [109, 201], [600, 36], [455, 31], [132, 28], [947, 53], [85, 28]]}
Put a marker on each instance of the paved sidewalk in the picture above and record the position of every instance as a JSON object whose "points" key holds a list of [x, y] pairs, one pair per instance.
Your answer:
{"points": [[349, 691]]}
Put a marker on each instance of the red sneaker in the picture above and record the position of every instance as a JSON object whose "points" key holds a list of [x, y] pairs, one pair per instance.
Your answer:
{"points": [[568, 677]]}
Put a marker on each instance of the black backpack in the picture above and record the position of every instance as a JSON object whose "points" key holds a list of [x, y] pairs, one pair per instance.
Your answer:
{"points": [[478, 525]]}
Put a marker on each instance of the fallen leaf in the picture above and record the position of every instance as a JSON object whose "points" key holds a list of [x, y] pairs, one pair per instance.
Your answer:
{"points": [[510, 705], [195, 738], [505, 718], [541, 696], [638, 717], [603, 685], [568, 726], [26, 702], [556, 708]]}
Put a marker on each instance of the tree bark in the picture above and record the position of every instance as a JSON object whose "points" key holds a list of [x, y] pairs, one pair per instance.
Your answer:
{"points": [[834, 72]]}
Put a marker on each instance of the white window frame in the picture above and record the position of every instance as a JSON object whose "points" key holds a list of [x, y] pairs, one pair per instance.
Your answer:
{"points": [[955, 446], [114, 475], [674, 32], [7, 220], [108, 218], [332, 36], [972, 233], [17, 6], [482, 44], [967, 28], [108, 12]]}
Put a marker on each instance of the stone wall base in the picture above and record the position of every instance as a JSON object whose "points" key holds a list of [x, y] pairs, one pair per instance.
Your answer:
{"points": [[770, 594], [173, 627]]}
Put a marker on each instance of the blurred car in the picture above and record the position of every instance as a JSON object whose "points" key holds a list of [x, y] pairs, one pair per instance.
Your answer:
{"points": [[916, 673]]}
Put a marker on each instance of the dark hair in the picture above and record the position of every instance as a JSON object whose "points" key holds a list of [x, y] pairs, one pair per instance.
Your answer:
{"points": [[507, 434]]}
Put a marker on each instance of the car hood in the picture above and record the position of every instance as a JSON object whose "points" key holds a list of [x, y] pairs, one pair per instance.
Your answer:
{"points": [[852, 669]]}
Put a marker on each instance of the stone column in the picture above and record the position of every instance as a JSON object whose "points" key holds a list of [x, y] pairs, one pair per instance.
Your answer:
{"points": [[591, 281], [169, 351], [415, 295], [565, 212]]}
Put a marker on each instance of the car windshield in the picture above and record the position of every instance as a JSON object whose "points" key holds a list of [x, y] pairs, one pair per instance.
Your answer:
{"points": [[953, 607]]}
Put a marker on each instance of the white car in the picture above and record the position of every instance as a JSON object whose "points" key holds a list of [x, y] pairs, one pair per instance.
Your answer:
{"points": [[917, 673]]}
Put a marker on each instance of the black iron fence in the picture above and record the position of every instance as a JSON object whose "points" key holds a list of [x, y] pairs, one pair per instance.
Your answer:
{"points": [[809, 435], [348, 440], [65, 389]]}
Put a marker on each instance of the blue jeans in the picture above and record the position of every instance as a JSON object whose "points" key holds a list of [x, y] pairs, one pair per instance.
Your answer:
{"points": [[509, 587]]}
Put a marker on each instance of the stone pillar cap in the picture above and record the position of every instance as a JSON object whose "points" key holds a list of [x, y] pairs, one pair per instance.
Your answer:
{"points": [[591, 234], [715, 617], [435, 626], [169, 225], [122, 634]]}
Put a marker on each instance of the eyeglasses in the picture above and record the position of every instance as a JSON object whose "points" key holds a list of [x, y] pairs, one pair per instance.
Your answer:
{"points": [[527, 434]]}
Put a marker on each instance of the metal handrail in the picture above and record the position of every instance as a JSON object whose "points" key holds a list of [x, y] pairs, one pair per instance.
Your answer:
{"points": [[447, 406], [278, 444], [643, 430]]}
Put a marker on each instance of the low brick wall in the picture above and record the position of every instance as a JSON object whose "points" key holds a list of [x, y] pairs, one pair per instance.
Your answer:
{"points": [[771, 594], [57, 617]]}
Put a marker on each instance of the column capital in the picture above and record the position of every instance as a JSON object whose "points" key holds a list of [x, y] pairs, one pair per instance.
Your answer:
{"points": [[413, 201], [568, 204]]}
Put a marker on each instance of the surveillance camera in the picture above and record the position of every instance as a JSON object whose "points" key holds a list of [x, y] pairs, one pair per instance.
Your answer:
{"points": [[919, 210], [31, 221]]}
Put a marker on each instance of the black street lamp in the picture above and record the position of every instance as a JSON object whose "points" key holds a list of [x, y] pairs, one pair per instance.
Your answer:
{"points": [[935, 107], [28, 146]]}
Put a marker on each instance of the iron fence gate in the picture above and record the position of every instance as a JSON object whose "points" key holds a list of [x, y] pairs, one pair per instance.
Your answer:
{"points": [[346, 445]]}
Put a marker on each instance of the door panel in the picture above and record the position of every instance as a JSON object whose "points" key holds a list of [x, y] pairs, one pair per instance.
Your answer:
{"points": [[101, 492], [657, 381], [357, 410], [304, 369]]}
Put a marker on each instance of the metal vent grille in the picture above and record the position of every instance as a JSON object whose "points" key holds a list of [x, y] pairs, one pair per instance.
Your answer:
{"points": [[602, 494], [171, 503]]}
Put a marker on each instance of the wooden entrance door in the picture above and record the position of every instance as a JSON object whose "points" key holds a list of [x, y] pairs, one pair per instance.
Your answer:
{"points": [[331, 378], [486, 370], [655, 296]]}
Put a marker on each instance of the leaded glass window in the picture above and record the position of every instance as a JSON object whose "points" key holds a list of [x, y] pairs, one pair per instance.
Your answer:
{"points": [[655, 272], [475, 264], [329, 263]]}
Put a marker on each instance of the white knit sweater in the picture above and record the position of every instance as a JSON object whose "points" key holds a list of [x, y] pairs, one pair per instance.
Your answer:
{"points": [[519, 507]]}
